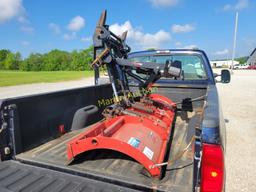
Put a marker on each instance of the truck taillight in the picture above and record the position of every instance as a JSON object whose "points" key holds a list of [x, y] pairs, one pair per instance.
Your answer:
{"points": [[212, 169]]}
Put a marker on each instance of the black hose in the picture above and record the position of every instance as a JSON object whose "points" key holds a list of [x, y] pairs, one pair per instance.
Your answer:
{"points": [[195, 99]]}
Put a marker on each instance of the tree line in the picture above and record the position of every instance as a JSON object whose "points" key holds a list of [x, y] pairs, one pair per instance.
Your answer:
{"points": [[55, 60], [242, 60]]}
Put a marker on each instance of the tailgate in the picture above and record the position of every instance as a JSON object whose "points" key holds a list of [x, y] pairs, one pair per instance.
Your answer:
{"points": [[15, 176]]}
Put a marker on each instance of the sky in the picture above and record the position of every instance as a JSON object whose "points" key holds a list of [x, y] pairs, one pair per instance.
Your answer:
{"points": [[42, 25]]}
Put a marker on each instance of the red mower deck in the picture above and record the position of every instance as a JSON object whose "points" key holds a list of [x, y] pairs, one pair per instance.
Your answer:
{"points": [[141, 132]]}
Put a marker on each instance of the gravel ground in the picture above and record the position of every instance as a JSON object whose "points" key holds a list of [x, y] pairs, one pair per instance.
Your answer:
{"points": [[239, 107], [29, 89]]}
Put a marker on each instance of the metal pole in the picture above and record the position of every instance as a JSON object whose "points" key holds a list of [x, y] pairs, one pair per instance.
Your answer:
{"points": [[227, 61], [234, 44]]}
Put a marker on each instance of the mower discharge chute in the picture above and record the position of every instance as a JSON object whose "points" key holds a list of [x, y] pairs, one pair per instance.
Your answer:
{"points": [[137, 126]]}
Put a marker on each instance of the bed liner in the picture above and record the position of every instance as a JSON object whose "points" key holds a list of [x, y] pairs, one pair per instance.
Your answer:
{"points": [[116, 168]]}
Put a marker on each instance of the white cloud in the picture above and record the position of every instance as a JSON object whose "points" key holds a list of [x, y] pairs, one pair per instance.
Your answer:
{"points": [[222, 52], [55, 28], [241, 4], [76, 23], [10, 9], [227, 7], [190, 47], [25, 43], [164, 3], [155, 40], [23, 20], [27, 29], [86, 39], [140, 39], [247, 45], [69, 37], [182, 28], [249, 42], [178, 44]]}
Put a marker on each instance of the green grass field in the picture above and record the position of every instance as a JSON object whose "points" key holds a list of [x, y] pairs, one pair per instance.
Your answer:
{"points": [[8, 78]]}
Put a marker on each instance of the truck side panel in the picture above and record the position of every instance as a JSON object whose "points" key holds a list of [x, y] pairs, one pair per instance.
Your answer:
{"points": [[15, 176], [37, 118]]}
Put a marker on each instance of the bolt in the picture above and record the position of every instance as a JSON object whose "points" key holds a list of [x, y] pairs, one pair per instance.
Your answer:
{"points": [[7, 150]]}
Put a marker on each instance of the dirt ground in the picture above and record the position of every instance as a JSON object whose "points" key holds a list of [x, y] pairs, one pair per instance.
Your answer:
{"points": [[239, 107]]}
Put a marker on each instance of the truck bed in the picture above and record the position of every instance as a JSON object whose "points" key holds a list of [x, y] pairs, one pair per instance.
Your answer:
{"points": [[116, 168]]}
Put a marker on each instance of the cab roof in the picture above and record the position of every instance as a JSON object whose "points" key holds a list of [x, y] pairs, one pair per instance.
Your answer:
{"points": [[164, 51]]}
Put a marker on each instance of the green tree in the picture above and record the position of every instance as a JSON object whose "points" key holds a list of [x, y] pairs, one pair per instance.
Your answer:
{"points": [[242, 60], [52, 61], [76, 61], [3, 55], [17, 61], [57, 60], [88, 55], [33, 63], [8, 62], [12, 61], [150, 49], [81, 60]]}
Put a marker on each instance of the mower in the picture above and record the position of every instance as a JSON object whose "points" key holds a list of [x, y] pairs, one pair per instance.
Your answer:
{"points": [[137, 125]]}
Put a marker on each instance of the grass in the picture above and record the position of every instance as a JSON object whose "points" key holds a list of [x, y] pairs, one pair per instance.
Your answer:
{"points": [[8, 78]]}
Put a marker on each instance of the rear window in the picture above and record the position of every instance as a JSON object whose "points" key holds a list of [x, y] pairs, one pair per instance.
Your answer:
{"points": [[192, 65]]}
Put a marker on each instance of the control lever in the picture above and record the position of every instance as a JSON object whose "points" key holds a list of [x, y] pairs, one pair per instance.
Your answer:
{"points": [[172, 69]]}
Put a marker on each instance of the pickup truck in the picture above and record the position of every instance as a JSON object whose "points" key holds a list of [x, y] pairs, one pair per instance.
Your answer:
{"points": [[240, 66], [34, 131]]}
